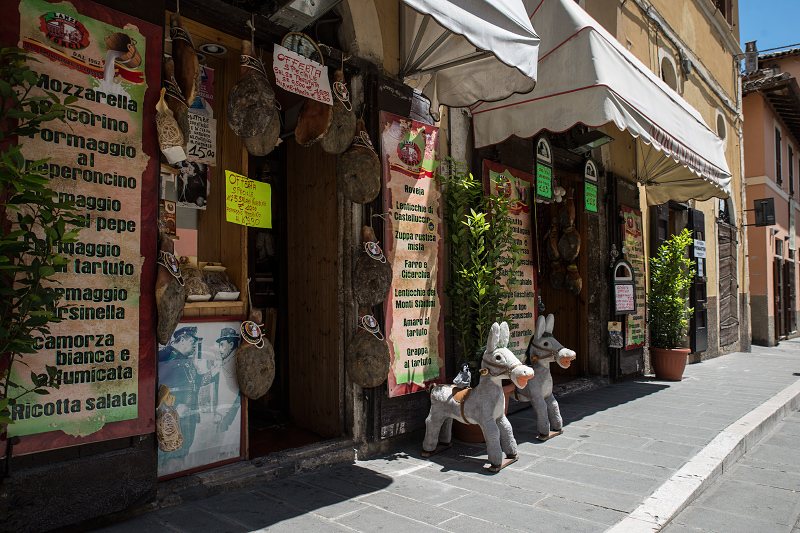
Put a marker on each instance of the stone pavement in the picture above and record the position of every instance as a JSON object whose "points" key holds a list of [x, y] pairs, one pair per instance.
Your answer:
{"points": [[761, 492], [631, 457]]}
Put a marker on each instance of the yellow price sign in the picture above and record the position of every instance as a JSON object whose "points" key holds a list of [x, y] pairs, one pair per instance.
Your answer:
{"points": [[247, 202]]}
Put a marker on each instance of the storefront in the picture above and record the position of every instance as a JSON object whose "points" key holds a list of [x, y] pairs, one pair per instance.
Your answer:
{"points": [[651, 149], [270, 232]]}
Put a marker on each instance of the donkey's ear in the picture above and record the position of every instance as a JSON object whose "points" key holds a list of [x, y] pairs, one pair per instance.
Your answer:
{"points": [[549, 323], [494, 338], [504, 335], [540, 326]]}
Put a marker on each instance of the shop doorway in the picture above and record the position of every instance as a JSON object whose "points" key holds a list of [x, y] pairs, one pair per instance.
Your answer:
{"points": [[292, 267], [569, 310]]}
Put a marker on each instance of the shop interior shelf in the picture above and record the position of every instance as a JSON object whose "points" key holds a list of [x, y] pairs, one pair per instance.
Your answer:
{"points": [[235, 308]]}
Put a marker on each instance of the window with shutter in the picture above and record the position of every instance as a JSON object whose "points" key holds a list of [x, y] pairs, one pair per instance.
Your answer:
{"points": [[778, 174]]}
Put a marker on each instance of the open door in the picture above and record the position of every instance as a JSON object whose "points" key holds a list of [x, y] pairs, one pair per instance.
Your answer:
{"points": [[698, 299]]}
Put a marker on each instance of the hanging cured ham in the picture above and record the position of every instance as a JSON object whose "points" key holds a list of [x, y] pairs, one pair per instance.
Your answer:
{"points": [[251, 102], [187, 68], [175, 100], [551, 242], [573, 282], [170, 295], [170, 136], [367, 360], [314, 120], [359, 169], [372, 275], [343, 125]]}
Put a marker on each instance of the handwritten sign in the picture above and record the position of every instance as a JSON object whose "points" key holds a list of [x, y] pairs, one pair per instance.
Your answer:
{"points": [[413, 246], [544, 181], [624, 298], [300, 75], [247, 202], [633, 248], [202, 146]]}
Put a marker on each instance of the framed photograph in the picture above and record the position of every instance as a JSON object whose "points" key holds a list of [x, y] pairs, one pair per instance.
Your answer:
{"points": [[192, 184], [199, 366]]}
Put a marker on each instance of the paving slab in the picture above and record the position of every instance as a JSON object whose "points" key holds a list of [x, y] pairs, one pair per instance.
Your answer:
{"points": [[632, 456]]}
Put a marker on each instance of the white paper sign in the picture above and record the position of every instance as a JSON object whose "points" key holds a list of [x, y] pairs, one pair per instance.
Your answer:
{"points": [[202, 146], [699, 249], [301, 75]]}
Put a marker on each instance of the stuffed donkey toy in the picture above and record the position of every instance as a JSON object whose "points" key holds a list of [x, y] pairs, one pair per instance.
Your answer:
{"points": [[543, 350], [483, 405]]}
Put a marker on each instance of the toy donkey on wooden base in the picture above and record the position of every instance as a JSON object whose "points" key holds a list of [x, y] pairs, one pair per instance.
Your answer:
{"points": [[543, 350], [483, 405]]}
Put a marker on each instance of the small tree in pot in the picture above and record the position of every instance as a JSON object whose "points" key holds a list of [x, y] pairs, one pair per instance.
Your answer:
{"points": [[671, 275]]}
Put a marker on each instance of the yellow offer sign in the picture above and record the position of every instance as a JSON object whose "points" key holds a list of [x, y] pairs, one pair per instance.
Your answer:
{"points": [[247, 202]]}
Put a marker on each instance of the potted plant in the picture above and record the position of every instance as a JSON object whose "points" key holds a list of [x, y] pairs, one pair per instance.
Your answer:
{"points": [[481, 249], [671, 275]]}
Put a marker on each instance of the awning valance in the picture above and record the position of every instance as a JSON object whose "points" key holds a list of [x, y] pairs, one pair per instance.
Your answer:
{"points": [[587, 77], [465, 51]]}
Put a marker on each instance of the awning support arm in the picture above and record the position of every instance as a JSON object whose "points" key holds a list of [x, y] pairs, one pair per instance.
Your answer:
{"points": [[431, 49], [417, 40], [454, 63]]}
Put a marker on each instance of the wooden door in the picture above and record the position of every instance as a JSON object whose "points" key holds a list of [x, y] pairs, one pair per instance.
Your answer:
{"points": [[728, 285], [313, 294]]}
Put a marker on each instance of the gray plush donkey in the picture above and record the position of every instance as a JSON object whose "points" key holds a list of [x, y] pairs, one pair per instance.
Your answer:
{"points": [[543, 350], [485, 403]]}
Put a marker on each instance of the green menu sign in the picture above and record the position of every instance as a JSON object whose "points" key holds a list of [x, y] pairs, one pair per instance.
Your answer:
{"points": [[544, 181], [590, 198]]}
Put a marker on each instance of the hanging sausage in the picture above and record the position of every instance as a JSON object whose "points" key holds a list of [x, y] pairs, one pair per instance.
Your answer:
{"points": [[359, 169], [343, 126]]}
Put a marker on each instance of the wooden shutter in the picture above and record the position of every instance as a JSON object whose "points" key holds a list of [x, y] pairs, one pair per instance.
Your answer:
{"points": [[660, 233], [728, 285], [698, 327]]}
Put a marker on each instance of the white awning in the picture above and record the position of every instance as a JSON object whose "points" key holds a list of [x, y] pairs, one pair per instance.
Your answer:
{"points": [[465, 51], [587, 77]]}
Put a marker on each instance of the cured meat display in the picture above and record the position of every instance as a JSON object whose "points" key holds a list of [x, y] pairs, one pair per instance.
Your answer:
{"points": [[367, 360], [359, 169], [251, 102], [343, 125]]}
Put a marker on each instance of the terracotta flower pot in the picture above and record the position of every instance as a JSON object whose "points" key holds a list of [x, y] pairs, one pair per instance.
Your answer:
{"points": [[473, 432], [668, 365]]}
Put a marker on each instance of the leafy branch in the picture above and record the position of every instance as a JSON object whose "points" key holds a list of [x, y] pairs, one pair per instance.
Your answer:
{"points": [[34, 222]]}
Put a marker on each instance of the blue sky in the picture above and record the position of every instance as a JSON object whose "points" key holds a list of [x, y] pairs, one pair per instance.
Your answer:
{"points": [[771, 23]]}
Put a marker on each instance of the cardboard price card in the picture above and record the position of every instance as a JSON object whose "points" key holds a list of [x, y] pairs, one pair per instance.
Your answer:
{"points": [[301, 75], [247, 202]]}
